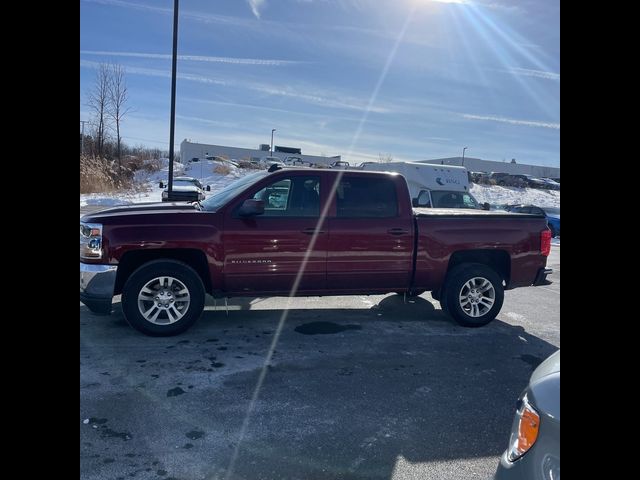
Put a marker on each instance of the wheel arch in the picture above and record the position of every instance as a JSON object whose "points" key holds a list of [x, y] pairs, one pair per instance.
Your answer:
{"points": [[192, 257], [497, 260]]}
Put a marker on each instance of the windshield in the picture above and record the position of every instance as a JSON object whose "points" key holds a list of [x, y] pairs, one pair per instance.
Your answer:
{"points": [[217, 200], [185, 183], [446, 199]]}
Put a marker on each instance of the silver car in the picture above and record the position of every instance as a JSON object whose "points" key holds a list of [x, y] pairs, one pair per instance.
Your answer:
{"points": [[534, 445]]}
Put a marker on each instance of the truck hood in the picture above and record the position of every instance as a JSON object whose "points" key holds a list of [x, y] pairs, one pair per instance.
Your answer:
{"points": [[139, 209]]}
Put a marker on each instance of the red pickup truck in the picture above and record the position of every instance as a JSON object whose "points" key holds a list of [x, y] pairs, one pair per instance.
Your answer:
{"points": [[304, 232]]}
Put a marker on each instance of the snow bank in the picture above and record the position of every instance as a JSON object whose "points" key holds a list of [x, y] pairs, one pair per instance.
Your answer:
{"points": [[497, 195], [148, 183]]}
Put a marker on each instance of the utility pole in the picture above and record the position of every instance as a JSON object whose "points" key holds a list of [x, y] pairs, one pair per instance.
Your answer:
{"points": [[82, 137], [463, 155], [173, 94]]}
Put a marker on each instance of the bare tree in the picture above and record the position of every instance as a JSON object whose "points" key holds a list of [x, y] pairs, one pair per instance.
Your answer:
{"points": [[118, 96], [385, 159], [98, 101]]}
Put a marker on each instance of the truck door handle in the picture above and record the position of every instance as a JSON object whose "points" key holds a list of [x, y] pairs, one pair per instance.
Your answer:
{"points": [[311, 231], [398, 231]]}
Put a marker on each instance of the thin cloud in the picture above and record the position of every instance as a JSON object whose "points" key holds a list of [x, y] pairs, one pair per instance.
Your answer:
{"points": [[512, 121], [321, 98], [198, 16], [535, 73], [256, 5], [195, 58]]}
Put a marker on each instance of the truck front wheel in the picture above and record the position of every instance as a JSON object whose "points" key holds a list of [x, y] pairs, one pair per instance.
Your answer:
{"points": [[472, 295], [163, 298]]}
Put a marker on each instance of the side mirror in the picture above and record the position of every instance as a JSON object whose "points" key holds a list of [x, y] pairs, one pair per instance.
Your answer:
{"points": [[486, 206], [161, 185], [251, 207], [208, 188]]}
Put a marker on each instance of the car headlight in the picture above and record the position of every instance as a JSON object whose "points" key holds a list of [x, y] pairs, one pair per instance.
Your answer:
{"points": [[90, 240], [524, 432]]}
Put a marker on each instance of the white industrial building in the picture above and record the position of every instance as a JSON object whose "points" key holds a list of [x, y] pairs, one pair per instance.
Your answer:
{"points": [[190, 150], [479, 165]]}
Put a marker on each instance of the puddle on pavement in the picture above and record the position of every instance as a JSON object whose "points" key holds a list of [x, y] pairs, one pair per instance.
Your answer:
{"points": [[323, 328]]}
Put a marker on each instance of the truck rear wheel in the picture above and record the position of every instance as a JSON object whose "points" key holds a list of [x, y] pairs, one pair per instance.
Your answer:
{"points": [[163, 298], [473, 294]]}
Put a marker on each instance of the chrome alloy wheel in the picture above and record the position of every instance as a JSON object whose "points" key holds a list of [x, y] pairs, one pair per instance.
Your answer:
{"points": [[477, 296], [163, 300]]}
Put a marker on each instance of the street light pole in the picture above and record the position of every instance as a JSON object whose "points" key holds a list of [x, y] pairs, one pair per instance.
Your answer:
{"points": [[271, 151], [463, 155], [82, 141], [173, 94]]}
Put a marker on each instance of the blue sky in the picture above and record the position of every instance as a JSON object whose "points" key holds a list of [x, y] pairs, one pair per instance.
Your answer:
{"points": [[414, 79]]}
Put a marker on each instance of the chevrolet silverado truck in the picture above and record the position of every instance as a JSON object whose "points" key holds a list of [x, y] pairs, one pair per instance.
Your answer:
{"points": [[302, 232]]}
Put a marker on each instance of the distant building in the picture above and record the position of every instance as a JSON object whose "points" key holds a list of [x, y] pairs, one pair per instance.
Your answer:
{"points": [[479, 165], [190, 150]]}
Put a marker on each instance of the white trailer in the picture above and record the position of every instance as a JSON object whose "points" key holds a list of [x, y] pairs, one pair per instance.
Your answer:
{"points": [[445, 186]]}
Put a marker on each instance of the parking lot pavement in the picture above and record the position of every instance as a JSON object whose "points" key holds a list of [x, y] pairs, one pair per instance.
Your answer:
{"points": [[361, 387]]}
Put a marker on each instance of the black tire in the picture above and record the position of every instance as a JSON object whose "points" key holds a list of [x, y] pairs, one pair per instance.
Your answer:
{"points": [[457, 280], [184, 277], [435, 294], [502, 183]]}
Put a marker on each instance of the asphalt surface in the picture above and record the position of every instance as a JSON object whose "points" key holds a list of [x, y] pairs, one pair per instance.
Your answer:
{"points": [[360, 387]]}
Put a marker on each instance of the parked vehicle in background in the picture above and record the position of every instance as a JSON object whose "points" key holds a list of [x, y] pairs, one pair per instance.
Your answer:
{"points": [[267, 162], [518, 180], [292, 160], [502, 179], [185, 189], [436, 186], [529, 181], [265, 235], [533, 452], [551, 184], [553, 219], [340, 164], [480, 177]]}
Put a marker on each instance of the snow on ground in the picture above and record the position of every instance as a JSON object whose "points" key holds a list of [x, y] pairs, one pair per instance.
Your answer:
{"points": [[148, 183], [497, 195]]}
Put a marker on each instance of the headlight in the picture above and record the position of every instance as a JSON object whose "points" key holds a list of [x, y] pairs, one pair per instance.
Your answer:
{"points": [[90, 240], [524, 432]]}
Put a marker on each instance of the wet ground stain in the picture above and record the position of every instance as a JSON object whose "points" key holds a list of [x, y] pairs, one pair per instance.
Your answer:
{"points": [[174, 392], [531, 360], [194, 434], [324, 328]]}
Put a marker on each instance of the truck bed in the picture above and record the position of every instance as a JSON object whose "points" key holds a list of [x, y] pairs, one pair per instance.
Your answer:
{"points": [[514, 237]]}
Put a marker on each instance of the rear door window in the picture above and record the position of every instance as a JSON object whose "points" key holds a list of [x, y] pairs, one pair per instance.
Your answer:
{"points": [[362, 197]]}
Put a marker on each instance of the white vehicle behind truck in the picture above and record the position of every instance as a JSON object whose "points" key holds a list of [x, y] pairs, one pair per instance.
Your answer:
{"points": [[437, 186]]}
